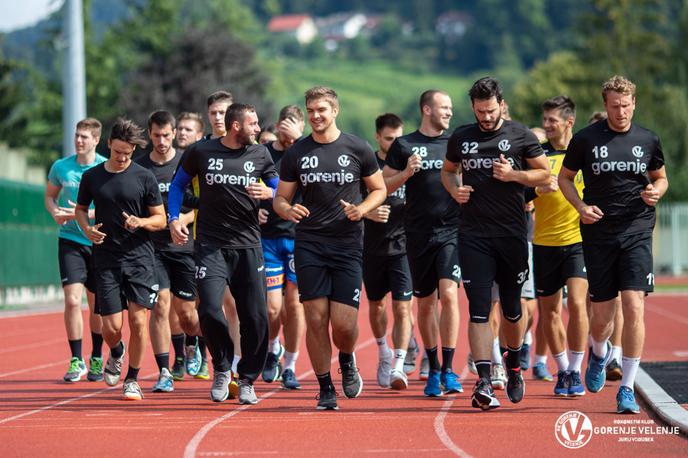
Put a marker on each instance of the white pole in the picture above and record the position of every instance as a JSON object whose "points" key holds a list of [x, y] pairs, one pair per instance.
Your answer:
{"points": [[74, 73]]}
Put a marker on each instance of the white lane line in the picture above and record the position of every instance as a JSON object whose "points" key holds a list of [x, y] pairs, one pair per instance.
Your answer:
{"points": [[192, 446], [34, 368], [666, 313], [440, 431], [33, 345]]}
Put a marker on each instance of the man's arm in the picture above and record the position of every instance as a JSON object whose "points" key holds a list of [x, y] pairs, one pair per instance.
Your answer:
{"points": [[377, 192], [92, 232], [450, 175], [394, 178], [155, 222], [60, 214], [589, 213], [282, 202], [657, 187], [537, 174]]}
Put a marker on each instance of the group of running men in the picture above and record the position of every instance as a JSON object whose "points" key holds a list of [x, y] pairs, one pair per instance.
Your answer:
{"points": [[211, 238]]}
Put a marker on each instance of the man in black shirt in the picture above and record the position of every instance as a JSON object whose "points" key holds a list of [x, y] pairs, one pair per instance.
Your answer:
{"points": [[386, 268], [128, 206], [430, 221], [624, 175], [488, 164], [189, 130], [227, 246], [329, 168]]}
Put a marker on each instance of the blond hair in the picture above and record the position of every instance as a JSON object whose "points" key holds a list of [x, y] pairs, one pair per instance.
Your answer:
{"points": [[619, 84]]}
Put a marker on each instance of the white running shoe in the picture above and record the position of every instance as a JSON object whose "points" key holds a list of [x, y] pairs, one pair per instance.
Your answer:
{"points": [[498, 377], [398, 380]]}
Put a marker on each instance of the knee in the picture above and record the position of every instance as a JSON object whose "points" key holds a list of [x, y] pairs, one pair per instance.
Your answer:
{"points": [[633, 313], [377, 306], [72, 301]]}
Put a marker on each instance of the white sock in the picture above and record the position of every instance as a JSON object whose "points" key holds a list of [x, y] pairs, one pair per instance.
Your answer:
{"points": [[290, 360], [528, 338], [382, 347], [275, 346], [541, 359], [496, 353], [399, 357], [562, 361], [630, 368], [599, 348], [235, 362], [616, 354], [576, 360]]}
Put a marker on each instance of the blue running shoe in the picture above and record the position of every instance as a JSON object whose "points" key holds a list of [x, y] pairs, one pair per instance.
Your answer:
{"points": [[562, 386], [576, 387], [524, 357], [450, 382], [595, 373], [432, 386], [165, 383], [540, 372], [193, 359], [625, 401], [289, 380]]}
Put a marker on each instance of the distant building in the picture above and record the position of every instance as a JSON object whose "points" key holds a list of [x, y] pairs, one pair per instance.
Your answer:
{"points": [[452, 24], [300, 26]]}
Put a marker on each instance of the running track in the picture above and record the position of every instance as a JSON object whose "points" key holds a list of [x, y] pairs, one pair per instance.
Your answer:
{"points": [[41, 416]]}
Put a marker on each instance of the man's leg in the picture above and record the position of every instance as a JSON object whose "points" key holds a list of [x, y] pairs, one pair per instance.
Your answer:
{"points": [[275, 303], [160, 333], [95, 322], [74, 325], [294, 324], [230, 308], [614, 370]]}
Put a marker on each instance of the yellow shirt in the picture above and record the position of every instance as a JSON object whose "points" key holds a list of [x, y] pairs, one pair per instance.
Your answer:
{"points": [[557, 223]]}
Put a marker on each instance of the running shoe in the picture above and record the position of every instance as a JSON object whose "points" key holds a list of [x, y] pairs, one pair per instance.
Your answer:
{"points": [[562, 386], [424, 371], [515, 385], [77, 369], [113, 367], [234, 386], [273, 367], [524, 357], [595, 373], [498, 377], [219, 391], [193, 359], [203, 371], [411, 355], [576, 387], [625, 401], [95, 371], [132, 390], [471, 364], [614, 371], [398, 380], [540, 372], [289, 380], [178, 368], [450, 382], [432, 386], [327, 400], [384, 367], [483, 396], [165, 383], [247, 395], [352, 383]]}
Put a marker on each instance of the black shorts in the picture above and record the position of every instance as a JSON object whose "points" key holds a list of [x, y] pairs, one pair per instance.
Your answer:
{"points": [[76, 264], [382, 274], [115, 286], [624, 264], [242, 269], [175, 270], [329, 270], [554, 265], [487, 260], [432, 257]]}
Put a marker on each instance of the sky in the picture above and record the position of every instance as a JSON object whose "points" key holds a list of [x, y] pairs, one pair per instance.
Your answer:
{"points": [[17, 14]]}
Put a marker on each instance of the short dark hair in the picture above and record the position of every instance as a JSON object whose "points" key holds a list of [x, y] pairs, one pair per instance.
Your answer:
{"points": [[291, 111], [387, 120], [183, 116], [427, 96], [323, 92], [220, 96], [563, 103], [128, 131], [161, 118], [91, 124], [236, 112], [486, 88]]}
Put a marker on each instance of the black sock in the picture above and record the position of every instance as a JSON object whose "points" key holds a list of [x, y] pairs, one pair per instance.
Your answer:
{"points": [[118, 350], [325, 381], [512, 359], [132, 374], [201, 346], [447, 359], [503, 350], [97, 340], [75, 347], [191, 340], [483, 367], [346, 359], [178, 345], [433, 359], [163, 361]]}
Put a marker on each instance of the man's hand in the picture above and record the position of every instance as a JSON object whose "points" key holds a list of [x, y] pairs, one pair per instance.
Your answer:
{"points": [[297, 212], [552, 186], [501, 169], [259, 191], [179, 232], [63, 214], [131, 223], [94, 235], [351, 211], [262, 216], [463, 194], [290, 128], [590, 214], [380, 214], [412, 165], [650, 195]]}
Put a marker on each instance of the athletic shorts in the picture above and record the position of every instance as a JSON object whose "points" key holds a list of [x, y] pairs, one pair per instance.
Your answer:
{"points": [[432, 257], [279, 261], [624, 264], [76, 264], [242, 269], [175, 270], [115, 286], [382, 274], [528, 288], [487, 260], [329, 270], [554, 265]]}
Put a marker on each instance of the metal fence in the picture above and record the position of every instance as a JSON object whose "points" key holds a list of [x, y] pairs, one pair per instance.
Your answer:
{"points": [[671, 239]]}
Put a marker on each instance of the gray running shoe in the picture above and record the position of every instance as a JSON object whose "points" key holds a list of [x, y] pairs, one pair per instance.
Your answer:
{"points": [[352, 383], [219, 392], [113, 367], [411, 355], [246, 393], [132, 391], [384, 367]]}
